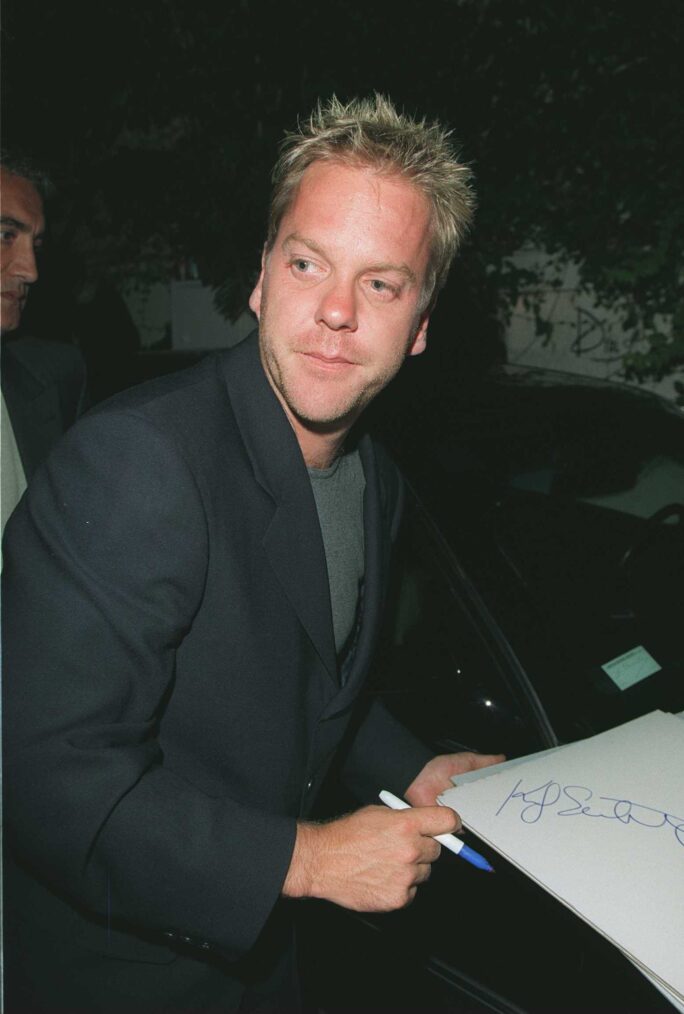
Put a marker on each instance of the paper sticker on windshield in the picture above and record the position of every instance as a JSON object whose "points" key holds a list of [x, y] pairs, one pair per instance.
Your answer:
{"points": [[631, 668]]}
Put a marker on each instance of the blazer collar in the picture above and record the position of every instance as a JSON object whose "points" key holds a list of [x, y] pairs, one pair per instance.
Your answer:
{"points": [[270, 440], [292, 539]]}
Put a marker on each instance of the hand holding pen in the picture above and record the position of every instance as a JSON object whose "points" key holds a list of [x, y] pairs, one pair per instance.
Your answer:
{"points": [[372, 860], [449, 841]]}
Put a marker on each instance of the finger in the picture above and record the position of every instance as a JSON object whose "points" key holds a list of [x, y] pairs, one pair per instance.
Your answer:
{"points": [[430, 851], [483, 760], [434, 820], [458, 829], [423, 871]]}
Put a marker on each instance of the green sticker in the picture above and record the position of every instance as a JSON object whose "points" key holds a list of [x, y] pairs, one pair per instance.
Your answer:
{"points": [[631, 668]]}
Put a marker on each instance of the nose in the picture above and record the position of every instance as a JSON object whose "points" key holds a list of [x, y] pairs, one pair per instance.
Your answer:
{"points": [[24, 264], [337, 306]]}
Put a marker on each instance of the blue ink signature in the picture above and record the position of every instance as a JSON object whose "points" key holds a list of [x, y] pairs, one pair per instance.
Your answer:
{"points": [[586, 804]]}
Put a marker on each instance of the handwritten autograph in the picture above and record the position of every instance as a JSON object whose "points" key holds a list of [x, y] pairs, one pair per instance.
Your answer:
{"points": [[586, 804]]}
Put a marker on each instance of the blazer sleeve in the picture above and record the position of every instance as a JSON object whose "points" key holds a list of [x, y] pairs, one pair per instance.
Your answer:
{"points": [[104, 569], [383, 754]]}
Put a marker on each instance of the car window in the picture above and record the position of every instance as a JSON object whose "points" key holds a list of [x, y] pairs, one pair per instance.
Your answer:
{"points": [[607, 447], [564, 504], [601, 591], [439, 668], [659, 482]]}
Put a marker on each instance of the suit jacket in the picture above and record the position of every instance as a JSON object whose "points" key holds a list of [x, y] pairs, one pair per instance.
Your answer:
{"points": [[43, 383], [172, 695]]}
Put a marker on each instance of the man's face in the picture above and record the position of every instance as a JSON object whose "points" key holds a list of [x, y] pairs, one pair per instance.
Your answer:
{"points": [[21, 215], [338, 297]]}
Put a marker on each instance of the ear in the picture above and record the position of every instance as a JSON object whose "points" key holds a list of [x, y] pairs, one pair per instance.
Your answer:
{"points": [[255, 298], [419, 342]]}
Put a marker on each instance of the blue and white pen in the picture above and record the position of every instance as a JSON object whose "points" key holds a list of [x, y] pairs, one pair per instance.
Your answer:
{"points": [[449, 841]]}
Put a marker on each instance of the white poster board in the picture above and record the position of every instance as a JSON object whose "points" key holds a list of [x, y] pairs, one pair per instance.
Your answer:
{"points": [[600, 825]]}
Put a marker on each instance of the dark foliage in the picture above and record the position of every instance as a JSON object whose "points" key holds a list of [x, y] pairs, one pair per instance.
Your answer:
{"points": [[162, 118]]}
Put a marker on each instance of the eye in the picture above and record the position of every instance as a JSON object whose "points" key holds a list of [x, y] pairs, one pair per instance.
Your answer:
{"points": [[8, 235], [305, 270], [383, 289]]}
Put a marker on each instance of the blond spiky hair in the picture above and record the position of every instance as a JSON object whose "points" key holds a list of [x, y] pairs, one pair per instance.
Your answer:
{"points": [[370, 132]]}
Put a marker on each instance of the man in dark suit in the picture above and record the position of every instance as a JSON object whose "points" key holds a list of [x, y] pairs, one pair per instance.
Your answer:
{"points": [[43, 383], [194, 588]]}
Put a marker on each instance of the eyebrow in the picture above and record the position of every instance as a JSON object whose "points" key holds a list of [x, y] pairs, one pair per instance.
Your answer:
{"points": [[402, 269], [17, 224]]}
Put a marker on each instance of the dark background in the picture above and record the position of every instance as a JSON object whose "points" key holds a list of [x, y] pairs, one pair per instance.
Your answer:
{"points": [[160, 121]]}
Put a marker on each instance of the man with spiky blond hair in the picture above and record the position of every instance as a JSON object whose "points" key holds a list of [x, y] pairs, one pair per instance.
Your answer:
{"points": [[195, 585]]}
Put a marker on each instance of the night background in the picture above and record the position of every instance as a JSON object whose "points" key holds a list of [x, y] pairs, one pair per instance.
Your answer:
{"points": [[160, 122]]}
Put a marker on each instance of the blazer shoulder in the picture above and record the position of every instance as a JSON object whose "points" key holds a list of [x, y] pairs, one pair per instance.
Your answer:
{"points": [[189, 409], [194, 390]]}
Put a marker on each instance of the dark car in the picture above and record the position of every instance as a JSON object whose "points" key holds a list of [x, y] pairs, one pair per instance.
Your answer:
{"points": [[542, 548]]}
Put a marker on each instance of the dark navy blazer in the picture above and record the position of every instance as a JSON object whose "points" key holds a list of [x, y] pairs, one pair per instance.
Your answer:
{"points": [[44, 386], [172, 695]]}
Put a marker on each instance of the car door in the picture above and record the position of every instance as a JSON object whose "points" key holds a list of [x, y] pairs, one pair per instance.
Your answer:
{"points": [[470, 941]]}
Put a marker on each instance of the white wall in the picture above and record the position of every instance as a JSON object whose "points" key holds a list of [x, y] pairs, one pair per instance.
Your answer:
{"points": [[587, 339], [186, 311]]}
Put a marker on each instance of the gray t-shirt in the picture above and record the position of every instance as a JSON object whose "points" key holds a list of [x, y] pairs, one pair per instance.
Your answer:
{"points": [[338, 492]]}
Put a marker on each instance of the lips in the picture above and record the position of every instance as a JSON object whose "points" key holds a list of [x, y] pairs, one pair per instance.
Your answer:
{"points": [[328, 361]]}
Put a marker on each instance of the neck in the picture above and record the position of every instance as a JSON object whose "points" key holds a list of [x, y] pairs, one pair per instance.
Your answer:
{"points": [[318, 449]]}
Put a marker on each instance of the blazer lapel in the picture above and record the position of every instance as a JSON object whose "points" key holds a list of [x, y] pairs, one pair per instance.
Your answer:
{"points": [[292, 540], [33, 406]]}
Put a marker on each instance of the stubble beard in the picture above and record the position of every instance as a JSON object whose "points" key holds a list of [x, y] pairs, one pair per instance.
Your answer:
{"points": [[346, 408], [336, 410]]}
